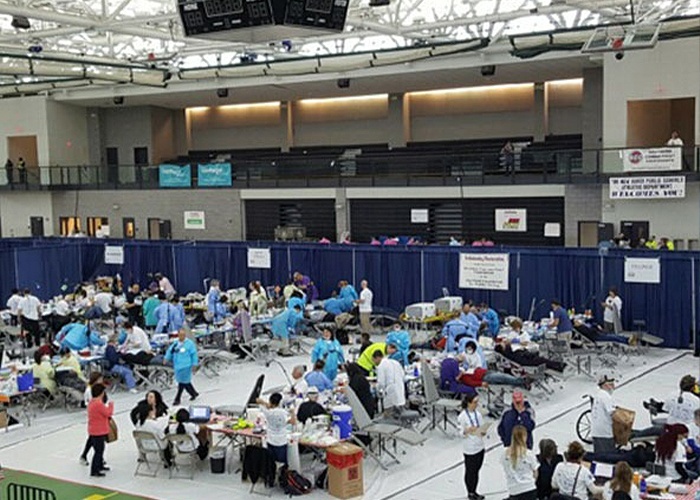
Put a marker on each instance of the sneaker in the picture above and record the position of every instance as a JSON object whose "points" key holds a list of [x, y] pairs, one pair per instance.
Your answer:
{"points": [[84, 461], [134, 391], [192, 398], [98, 474], [176, 402], [105, 468]]}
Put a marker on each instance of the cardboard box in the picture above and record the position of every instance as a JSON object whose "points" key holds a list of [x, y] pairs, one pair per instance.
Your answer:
{"points": [[345, 478], [4, 419]]}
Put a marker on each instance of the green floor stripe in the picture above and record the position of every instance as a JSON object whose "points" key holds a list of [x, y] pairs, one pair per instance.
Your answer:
{"points": [[64, 490]]}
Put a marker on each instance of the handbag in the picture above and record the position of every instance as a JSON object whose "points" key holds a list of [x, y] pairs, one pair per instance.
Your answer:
{"points": [[562, 496], [113, 433]]}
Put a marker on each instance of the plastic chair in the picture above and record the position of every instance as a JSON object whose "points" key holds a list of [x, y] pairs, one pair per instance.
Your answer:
{"points": [[433, 400]]}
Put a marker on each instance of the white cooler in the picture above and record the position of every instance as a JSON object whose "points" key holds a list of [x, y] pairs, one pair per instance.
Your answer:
{"points": [[420, 311], [448, 304]]}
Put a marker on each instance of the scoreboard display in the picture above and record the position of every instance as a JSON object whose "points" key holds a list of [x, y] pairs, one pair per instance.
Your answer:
{"points": [[220, 19]]}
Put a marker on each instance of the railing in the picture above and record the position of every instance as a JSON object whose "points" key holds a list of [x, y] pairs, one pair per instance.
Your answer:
{"points": [[406, 168]]}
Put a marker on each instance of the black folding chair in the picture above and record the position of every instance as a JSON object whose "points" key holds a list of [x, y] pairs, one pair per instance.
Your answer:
{"points": [[25, 492]]}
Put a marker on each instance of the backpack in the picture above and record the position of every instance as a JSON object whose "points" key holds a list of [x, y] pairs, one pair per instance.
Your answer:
{"points": [[293, 483]]}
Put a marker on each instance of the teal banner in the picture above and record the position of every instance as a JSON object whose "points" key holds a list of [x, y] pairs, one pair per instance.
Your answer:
{"points": [[214, 174], [174, 176]]}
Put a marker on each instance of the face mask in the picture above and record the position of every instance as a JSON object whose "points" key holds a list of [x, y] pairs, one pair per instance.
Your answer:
{"points": [[470, 351]]}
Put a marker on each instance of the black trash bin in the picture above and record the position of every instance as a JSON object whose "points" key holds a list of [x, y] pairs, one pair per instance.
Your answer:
{"points": [[217, 460]]}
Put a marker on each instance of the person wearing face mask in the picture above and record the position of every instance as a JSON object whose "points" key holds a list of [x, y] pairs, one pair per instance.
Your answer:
{"points": [[474, 374], [602, 416], [329, 350]]}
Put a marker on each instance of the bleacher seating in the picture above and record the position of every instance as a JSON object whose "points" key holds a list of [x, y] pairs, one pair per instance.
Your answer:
{"points": [[438, 158]]}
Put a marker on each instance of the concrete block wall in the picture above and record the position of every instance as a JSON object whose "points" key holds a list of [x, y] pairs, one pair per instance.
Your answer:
{"points": [[581, 203]]}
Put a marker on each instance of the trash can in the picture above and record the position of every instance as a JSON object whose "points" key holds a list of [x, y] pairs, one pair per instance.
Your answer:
{"points": [[217, 460]]}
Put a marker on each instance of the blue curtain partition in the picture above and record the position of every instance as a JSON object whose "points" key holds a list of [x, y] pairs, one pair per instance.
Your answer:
{"points": [[399, 276]]}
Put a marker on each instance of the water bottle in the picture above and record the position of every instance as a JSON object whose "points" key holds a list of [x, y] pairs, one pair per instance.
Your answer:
{"points": [[642, 486], [415, 370]]}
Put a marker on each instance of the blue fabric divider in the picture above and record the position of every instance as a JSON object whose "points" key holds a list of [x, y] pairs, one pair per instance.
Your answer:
{"points": [[398, 276]]}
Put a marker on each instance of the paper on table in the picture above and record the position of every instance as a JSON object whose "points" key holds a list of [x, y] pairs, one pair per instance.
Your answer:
{"points": [[604, 470]]}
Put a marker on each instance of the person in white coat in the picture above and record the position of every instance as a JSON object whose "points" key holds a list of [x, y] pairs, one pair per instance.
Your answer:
{"points": [[390, 383], [612, 312], [602, 416]]}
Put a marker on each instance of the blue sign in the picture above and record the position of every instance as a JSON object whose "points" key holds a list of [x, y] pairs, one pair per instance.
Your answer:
{"points": [[174, 176], [214, 174]]}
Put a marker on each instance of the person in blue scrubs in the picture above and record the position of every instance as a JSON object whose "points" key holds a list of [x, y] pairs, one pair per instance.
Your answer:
{"points": [[318, 379], [400, 340], [347, 291], [454, 331], [493, 321], [333, 306], [183, 355], [213, 297], [560, 320], [77, 336], [330, 351], [170, 315]]}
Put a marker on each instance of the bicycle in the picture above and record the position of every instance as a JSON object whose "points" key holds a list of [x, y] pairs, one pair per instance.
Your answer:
{"points": [[583, 424]]}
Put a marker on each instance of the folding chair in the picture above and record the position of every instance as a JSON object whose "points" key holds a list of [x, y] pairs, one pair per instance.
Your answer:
{"points": [[25, 492], [182, 458], [151, 453], [433, 400], [382, 431]]}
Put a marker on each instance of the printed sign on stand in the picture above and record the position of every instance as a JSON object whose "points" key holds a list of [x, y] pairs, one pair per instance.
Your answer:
{"points": [[638, 270], [259, 258], [174, 176], [484, 271], [114, 254]]}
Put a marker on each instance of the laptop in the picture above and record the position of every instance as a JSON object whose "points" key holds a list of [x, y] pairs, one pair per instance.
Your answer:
{"points": [[200, 414]]}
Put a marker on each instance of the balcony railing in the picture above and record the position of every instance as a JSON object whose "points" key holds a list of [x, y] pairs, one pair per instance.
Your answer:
{"points": [[376, 169]]}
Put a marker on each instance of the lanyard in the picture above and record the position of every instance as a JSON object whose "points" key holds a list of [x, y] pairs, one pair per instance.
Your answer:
{"points": [[476, 417]]}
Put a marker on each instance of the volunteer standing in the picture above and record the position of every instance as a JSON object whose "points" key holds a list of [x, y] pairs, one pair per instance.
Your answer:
{"points": [[471, 423], [183, 354], [365, 306], [602, 416]]}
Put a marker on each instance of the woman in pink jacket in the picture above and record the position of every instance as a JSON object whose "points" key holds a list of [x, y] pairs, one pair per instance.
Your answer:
{"points": [[99, 412]]}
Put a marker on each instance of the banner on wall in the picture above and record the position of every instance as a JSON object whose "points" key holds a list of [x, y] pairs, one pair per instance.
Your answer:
{"points": [[259, 258], [652, 159], [642, 270], [174, 176], [511, 219], [214, 174], [484, 271], [114, 254], [195, 220], [639, 188]]}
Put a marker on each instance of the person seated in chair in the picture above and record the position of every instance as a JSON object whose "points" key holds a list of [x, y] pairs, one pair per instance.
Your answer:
{"points": [[114, 364], [595, 333], [621, 487], [44, 372], [140, 416], [572, 478], [317, 378], [524, 357], [310, 408], [197, 441], [357, 381], [137, 346]]}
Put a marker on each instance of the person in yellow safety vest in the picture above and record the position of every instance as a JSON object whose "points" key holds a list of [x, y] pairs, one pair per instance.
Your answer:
{"points": [[666, 244], [365, 359], [652, 244]]}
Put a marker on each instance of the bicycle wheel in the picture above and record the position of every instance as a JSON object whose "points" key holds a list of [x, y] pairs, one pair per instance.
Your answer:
{"points": [[583, 427]]}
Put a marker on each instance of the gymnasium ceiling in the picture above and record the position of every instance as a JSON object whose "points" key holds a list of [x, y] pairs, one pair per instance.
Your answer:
{"points": [[113, 44]]}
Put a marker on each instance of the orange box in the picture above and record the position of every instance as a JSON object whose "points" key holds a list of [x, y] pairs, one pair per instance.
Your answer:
{"points": [[345, 478]]}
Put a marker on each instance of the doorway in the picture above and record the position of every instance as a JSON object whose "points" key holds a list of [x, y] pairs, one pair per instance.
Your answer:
{"points": [[159, 229], [36, 223], [24, 147], [69, 225], [129, 228], [635, 231], [140, 161], [588, 234], [112, 165]]}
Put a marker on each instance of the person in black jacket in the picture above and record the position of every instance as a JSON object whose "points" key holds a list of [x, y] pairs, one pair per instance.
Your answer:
{"points": [[548, 459], [520, 413], [358, 383], [310, 408]]}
